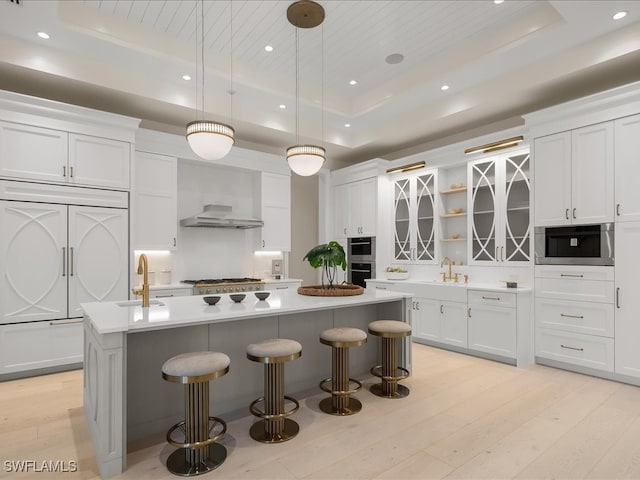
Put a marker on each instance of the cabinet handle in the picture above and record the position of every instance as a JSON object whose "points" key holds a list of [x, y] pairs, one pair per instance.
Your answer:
{"points": [[55, 323], [571, 275], [380, 288], [441, 308], [282, 288], [64, 170], [618, 297], [574, 213], [496, 255], [572, 348], [571, 316], [502, 254], [566, 214], [163, 296], [618, 209], [469, 312], [490, 298], [417, 305], [262, 243], [71, 261], [64, 261], [174, 241], [71, 172], [345, 231]]}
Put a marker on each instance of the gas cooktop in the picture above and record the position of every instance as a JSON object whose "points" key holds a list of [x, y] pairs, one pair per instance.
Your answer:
{"points": [[225, 285], [207, 282]]}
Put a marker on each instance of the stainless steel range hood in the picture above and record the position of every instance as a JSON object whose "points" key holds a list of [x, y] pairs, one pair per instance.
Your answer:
{"points": [[219, 216]]}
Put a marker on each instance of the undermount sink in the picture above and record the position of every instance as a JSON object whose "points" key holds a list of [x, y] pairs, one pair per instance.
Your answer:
{"points": [[455, 292], [137, 303]]}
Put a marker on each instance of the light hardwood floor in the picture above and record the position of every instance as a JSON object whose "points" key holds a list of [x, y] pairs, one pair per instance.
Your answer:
{"points": [[465, 418]]}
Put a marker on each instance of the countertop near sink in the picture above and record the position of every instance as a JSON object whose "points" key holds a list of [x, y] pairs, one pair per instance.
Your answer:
{"points": [[440, 284]]}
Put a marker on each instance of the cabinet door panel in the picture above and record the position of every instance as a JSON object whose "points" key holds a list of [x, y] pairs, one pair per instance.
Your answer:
{"points": [[156, 202], [517, 223], [427, 319], [552, 179], [627, 313], [368, 199], [454, 324], [276, 212], [99, 161], [483, 226], [33, 152], [33, 274], [493, 330], [425, 218], [402, 222], [627, 168], [98, 256], [340, 211], [592, 174]]}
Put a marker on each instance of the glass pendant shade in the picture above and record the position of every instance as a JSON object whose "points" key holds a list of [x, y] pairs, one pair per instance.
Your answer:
{"points": [[210, 140], [305, 160]]}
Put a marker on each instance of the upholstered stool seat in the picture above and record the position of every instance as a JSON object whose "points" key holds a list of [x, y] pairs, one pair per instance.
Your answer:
{"points": [[198, 453], [274, 427], [340, 340], [389, 371]]}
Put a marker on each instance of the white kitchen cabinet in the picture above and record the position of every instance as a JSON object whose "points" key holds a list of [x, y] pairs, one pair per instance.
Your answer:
{"points": [[155, 225], [167, 292], [492, 326], [440, 321], [276, 212], [499, 223], [282, 284], [355, 207], [574, 176], [33, 153], [627, 303], [49, 272], [627, 168], [415, 209], [36, 153]]}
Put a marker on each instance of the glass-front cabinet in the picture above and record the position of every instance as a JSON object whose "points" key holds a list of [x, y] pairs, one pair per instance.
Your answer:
{"points": [[499, 195], [414, 218]]}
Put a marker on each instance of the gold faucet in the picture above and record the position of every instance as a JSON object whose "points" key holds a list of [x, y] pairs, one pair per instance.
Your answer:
{"points": [[449, 277], [143, 269]]}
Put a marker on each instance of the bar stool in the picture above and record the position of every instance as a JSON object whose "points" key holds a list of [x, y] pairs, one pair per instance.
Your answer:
{"points": [[340, 340], [275, 427], [198, 453], [389, 331]]}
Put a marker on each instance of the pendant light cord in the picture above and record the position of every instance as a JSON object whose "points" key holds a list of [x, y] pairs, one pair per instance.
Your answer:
{"points": [[297, 91], [202, 51], [322, 84], [231, 92]]}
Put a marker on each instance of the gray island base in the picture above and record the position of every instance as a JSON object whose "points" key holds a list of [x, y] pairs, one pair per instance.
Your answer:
{"points": [[125, 398]]}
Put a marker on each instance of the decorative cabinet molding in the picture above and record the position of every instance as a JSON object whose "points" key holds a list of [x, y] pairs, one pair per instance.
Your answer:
{"points": [[41, 154], [276, 212], [415, 210], [499, 223], [155, 225], [574, 176]]}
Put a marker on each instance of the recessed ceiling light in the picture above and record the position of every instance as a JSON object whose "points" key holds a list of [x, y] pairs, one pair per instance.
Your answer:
{"points": [[620, 15], [394, 58], [186, 77], [498, 2], [44, 35], [353, 82], [269, 48], [444, 87], [283, 106], [347, 125]]}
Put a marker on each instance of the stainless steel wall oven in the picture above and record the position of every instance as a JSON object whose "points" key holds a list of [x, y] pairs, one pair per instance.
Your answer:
{"points": [[361, 258]]}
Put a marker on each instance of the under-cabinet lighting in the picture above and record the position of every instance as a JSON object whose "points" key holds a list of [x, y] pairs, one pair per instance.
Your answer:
{"points": [[263, 253], [499, 145], [407, 168], [152, 252]]}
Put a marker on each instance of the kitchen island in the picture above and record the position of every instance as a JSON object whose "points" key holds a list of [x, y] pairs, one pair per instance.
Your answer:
{"points": [[125, 345]]}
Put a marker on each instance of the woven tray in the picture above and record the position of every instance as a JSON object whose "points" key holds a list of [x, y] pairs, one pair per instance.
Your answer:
{"points": [[338, 291]]}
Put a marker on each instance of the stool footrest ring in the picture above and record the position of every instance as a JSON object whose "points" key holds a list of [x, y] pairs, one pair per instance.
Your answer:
{"points": [[213, 421], [377, 372], [323, 386], [276, 416]]}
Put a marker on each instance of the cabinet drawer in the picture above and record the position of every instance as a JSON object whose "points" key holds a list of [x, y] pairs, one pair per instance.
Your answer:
{"points": [[498, 299], [581, 317], [575, 348], [569, 272], [581, 290], [170, 292]]}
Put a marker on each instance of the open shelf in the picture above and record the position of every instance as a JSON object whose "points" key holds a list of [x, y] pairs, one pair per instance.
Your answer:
{"points": [[425, 218], [453, 190], [451, 215], [460, 239]]}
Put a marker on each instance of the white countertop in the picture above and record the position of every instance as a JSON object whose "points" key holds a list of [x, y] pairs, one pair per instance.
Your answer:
{"points": [[282, 280], [493, 287], [109, 317]]}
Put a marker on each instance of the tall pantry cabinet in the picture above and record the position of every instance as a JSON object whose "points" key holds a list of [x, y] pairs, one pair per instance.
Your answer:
{"points": [[64, 227]]}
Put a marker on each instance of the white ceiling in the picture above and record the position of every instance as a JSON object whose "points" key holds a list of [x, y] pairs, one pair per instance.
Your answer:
{"points": [[501, 61]]}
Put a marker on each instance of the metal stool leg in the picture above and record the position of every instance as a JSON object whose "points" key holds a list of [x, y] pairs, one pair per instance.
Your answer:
{"points": [[340, 402], [275, 427], [202, 455], [389, 386]]}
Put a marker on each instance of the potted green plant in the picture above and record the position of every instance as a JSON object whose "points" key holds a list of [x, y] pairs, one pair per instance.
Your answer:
{"points": [[329, 256]]}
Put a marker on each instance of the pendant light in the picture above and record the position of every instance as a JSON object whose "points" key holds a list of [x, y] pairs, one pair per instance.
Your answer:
{"points": [[305, 160], [208, 139]]}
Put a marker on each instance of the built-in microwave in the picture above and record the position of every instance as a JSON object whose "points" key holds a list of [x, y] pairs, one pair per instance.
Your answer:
{"points": [[361, 253], [575, 245]]}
